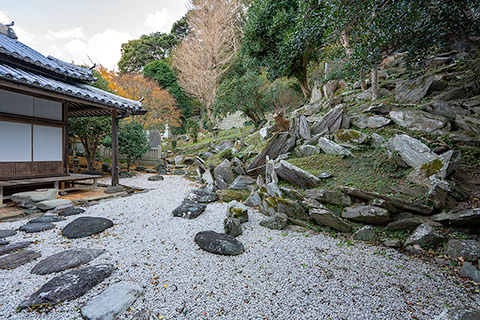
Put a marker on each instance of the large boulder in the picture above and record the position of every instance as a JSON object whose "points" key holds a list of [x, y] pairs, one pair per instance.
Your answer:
{"points": [[350, 136], [462, 218], [330, 147], [300, 127], [468, 124], [68, 286], [278, 221], [28, 198], [86, 226], [327, 218], [407, 151], [242, 182], [329, 196], [18, 259], [281, 143], [65, 260], [363, 121], [305, 150], [413, 90], [189, 210], [425, 236], [365, 234], [404, 224], [417, 120], [367, 214], [468, 249], [469, 271], [219, 243], [440, 167], [295, 175], [271, 205], [224, 171], [333, 121], [112, 302]]}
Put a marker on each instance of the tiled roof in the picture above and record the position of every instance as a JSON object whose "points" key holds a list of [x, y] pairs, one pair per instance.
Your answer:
{"points": [[20, 51], [77, 90]]}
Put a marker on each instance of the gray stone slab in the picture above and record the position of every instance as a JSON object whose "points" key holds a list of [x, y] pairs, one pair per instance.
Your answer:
{"points": [[14, 246], [7, 233], [219, 243], [65, 260], [52, 204], [86, 226], [36, 227], [111, 303], [46, 218], [18, 259], [70, 212]]}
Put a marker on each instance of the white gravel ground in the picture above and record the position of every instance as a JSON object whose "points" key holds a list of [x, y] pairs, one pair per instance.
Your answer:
{"points": [[282, 275]]}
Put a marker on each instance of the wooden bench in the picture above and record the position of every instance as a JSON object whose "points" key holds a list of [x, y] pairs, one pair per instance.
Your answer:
{"points": [[55, 180]]}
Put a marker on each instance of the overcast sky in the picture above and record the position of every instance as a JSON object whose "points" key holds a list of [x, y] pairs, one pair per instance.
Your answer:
{"points": [[80, 31]]}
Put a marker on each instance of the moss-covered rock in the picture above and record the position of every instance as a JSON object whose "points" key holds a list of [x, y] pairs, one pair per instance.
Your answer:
{"points": [[228, 195]]}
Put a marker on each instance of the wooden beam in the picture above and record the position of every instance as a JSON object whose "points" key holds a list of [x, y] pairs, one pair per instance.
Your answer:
{"points": [[114, 148]]}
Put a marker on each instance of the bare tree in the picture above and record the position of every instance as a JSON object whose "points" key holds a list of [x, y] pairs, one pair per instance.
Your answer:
{"points": [[210, 47]]}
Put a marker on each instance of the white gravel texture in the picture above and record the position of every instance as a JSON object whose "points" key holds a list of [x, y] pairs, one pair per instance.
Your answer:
{"points": [[282, 274]]}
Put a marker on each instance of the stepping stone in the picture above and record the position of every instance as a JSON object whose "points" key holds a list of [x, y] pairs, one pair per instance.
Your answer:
{"points": [[18, 259], [47, 218], [14, 246], [70, 212], [189, 210], [68, 286], [66, 260], [86, 226], [112, 302], [3, 242], [219, 243], [52, 204], [36, 227], [7, 233]]}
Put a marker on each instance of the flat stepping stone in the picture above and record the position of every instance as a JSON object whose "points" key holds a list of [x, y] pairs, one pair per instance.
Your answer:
{"points": [[189, 210], [219, 243], [18, 259], [68, 286], [66, 260], [36, 227], [86, 226], [7, 233], [112, 302], [47, 218], [52, 204], [3, 242], [14, 246], [70, 212]]}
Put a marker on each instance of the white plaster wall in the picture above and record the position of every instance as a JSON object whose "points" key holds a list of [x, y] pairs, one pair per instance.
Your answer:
{"points": [[15, 142]]}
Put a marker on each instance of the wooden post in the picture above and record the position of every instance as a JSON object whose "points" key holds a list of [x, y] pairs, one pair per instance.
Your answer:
{"points": [[1, 195], [114, 148]]}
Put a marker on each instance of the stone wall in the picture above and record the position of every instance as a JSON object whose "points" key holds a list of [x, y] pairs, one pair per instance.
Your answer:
{"points": [[232, 120]]}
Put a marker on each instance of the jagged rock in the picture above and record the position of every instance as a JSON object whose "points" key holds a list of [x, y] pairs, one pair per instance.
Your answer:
{"points": [[365, 234], [68, 286], [281, 143], [272, 205], [237, 210], [36, 227], [305, 150], [125, 174], [178, 159], [200, 196], [444, 194], [114, 189], [317, 92], [52, 204], [225, 144], [253, 200], [7, 233], [363, 121], [295, 175], [65, 260], [232, 226], [425, 236], [441, 108], [86, 226], [376, 140], [308, 109], [300, 127], [221, 184], [325, 175], [378, 108], [112, 302], [367, 214], [329, 196], [468, 249], [228, 195], [46, 219], [219, 243], [330, 147], [453, 94], [350, 136], [459, 314], [404, 224], [224, 171], [242, 182], [392, 243], [14, 246], [27, 198], [70, 212], [238, 166], [407, 151], [18, 259], [270, 175], [402, 205], [207, 177], [329, 88], [312, 204], [463, 218], [274, 191], [161, 168], [263, 132], [189, 210], [157, 177], [413, 91], [468, 124], [278, 221], [334, 120], [469, 271], [329, 219], [417, 120], [440, 167]]}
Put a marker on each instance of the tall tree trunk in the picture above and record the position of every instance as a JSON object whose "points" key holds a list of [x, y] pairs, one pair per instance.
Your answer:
{"points": [[303, 80], [363, 83], [375, 91], [346, 43]]}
